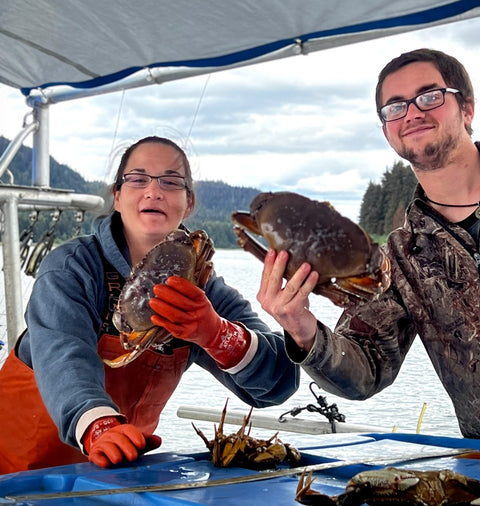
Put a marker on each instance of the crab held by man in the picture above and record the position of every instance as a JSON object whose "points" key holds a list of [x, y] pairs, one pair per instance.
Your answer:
{"points": [[242, 450], [395, 487], [350, 265], [180, 254]]}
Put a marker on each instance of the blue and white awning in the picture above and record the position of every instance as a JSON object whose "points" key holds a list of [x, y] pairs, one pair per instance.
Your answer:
{"points": [[47, 45]]}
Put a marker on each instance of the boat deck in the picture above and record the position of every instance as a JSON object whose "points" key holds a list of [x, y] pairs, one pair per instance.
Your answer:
{"points": [[344, 455]]}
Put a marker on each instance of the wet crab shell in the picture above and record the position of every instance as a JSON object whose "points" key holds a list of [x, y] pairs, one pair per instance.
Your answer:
{"points": [[314, 232], [396, 487], [179, 254]]}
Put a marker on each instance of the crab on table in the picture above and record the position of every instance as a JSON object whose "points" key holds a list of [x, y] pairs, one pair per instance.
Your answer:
{"points": [[351, 266], [180, 254], [242, 450], [395, 487]]}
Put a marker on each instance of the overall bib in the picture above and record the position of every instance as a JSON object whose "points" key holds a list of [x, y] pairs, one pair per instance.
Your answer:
{"points": [[28, 437]]}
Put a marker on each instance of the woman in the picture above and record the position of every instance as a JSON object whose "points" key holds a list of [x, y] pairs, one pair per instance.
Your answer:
{"points": [[60, 403]]}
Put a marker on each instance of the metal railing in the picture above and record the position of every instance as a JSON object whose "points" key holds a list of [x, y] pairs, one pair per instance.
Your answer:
{"points": [[38, 196]]}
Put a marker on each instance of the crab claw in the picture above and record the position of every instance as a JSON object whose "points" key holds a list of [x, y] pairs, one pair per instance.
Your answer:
{"points": [[305, 495]]}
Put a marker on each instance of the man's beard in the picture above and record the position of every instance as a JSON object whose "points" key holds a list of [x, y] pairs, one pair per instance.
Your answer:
{"points": [[434, 155]]}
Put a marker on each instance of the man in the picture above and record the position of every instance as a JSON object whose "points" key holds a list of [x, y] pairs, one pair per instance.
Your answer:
{"points": [[425, 101]]}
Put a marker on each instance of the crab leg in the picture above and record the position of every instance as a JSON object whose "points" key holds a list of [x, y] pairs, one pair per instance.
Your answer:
{"points": [[148, 338], [250, 244]]}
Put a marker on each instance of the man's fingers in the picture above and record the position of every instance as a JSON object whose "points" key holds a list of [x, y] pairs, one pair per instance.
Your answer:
{"points": [[299, 287]]}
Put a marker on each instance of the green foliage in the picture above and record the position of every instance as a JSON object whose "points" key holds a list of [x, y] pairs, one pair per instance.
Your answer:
{"points": [[216, 201], [379, 239], [383, 205]]}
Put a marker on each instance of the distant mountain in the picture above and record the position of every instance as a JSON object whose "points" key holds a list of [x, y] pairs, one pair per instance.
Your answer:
{"points": [[215, 200], [61, 176]]}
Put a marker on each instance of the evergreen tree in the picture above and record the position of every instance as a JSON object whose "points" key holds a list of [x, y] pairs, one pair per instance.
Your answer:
{"points": [[371, 218], [383, 206]]}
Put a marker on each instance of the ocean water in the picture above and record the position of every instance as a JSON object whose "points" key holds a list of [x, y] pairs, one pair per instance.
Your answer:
{"points": [[398, 407]]}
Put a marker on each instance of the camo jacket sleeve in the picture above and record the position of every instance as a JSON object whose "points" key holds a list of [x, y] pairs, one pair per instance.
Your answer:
{"points": [[363, 354], [434, 293]]}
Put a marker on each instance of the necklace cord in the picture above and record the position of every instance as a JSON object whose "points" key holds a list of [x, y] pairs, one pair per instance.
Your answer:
{"points": [[477, 204]]}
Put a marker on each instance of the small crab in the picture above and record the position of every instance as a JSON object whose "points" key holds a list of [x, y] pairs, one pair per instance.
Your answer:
{"points": [[242, 450], [396, 487], [180, 254], [350, 265]]}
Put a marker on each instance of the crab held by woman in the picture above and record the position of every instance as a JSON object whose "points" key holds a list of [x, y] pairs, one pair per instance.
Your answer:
{"points": [[180, 254], [395, 487], [350, 265], [242, 450]]}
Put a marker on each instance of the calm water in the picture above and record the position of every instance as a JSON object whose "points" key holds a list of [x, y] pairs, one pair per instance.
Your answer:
{"points": [[400, 405]]}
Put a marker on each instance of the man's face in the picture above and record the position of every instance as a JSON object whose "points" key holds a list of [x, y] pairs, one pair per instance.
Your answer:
{"points": [[425, 138]]}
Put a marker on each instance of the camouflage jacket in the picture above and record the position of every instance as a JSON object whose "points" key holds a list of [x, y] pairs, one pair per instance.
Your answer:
{"points": [[435, 294]]}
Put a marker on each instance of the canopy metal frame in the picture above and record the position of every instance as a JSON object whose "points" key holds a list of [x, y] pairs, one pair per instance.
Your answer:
{"points": [[38, 196]]}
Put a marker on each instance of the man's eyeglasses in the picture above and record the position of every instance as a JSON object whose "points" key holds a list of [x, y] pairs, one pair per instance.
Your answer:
{"points": [[425, 102], [166, 182]]}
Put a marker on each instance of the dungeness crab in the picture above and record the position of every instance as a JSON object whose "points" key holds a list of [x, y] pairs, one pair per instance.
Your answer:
{"points": [[396, 487], [351, 266], [242, 450], [179, 254]]}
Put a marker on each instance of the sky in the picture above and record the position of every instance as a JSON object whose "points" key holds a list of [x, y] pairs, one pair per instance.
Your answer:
{"points": [[305, 124]]}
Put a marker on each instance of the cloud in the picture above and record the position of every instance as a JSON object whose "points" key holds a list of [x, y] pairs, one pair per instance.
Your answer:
{"points": [[305, 124]]}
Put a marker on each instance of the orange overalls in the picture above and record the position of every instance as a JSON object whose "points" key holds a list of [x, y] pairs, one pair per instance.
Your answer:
{"points": [[28, 437]]}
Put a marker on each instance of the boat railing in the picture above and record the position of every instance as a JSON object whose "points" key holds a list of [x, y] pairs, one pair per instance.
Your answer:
{"points": [[39, 196], [271, 422]]}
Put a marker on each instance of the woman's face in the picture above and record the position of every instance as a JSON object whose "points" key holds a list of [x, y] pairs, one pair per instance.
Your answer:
{"points": [[149, 214]]}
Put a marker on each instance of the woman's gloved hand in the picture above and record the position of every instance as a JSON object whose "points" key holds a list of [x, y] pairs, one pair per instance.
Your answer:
{"points": [[107, 441], [185, 311]]}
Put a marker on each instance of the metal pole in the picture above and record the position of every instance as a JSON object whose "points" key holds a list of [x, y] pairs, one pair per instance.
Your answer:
{"points": [[41, 147], [12, 272], [15, 145], [298, 425]]}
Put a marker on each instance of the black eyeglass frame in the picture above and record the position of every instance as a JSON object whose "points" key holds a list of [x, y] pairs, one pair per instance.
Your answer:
{"points": [[406, 103], [161, 180]]}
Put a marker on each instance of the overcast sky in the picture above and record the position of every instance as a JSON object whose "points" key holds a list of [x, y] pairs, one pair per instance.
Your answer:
{"points": [[304, 124]]}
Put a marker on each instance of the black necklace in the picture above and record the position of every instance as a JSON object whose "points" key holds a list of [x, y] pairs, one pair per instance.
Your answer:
{"points": [[476, 204]]}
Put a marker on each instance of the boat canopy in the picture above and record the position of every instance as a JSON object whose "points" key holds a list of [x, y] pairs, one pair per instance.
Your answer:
{"points": [[97, 46]]}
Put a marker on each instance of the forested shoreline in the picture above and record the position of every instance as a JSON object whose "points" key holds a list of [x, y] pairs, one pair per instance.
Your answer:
{"points": [[382, 208]]}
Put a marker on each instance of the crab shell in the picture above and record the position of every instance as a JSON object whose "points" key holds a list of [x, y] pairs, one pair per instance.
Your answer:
{"points": [[179, 254], [392, 486], [349, 263], [396, 487]]}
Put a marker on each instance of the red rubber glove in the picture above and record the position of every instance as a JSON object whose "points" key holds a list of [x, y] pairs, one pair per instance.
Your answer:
{"points": [[108, 441], [185, 311]]}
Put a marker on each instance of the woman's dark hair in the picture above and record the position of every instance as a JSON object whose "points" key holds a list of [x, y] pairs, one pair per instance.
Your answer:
{"points": [[159, 140], [452, 71]]}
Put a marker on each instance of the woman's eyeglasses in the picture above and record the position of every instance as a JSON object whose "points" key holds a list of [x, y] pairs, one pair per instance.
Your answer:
{"points": [[165, 181]]}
